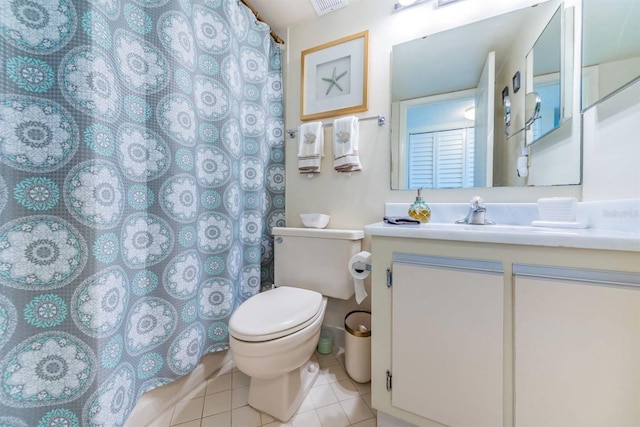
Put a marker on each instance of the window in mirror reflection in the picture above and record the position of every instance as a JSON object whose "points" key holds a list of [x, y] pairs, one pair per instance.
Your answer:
{"points": [[440, 143]]}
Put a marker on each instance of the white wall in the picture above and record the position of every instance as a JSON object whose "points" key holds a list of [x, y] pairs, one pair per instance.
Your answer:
{"points": [[611, 147], [357, 200]]}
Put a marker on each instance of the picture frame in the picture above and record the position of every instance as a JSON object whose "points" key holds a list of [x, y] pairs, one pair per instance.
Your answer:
{"points": [[334, 78], [516, 82]]}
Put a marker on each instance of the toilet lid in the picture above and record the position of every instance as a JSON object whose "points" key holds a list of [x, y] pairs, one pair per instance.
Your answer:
{"points": [[274, 313]]}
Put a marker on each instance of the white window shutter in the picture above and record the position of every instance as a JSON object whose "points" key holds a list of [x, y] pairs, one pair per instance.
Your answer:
{"points": [[442, 159], [421, 164]]}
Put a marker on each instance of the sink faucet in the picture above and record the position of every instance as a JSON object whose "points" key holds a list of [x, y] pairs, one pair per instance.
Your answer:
{"points": [[476, 213]]}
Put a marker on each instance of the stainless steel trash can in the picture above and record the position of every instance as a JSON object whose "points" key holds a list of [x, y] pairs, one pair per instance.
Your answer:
{"points": [[357, 345]]}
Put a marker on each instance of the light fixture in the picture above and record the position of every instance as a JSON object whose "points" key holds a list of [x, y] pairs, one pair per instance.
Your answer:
{"points": [[401, 4], [445, 2], [470, 113]]}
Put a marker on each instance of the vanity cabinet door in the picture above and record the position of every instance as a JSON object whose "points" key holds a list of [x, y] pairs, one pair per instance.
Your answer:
{"points": [[447, 340], [577, 348]]}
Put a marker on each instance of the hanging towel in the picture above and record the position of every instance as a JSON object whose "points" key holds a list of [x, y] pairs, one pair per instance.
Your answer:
{"points": [[310, 147], [345, 145]]}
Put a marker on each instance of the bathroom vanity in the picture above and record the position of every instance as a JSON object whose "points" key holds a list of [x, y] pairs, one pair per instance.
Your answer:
{"points": [[506, 326]]}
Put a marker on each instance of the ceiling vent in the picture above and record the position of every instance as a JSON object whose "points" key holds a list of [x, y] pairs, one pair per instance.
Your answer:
{"points": [[323, 7]]}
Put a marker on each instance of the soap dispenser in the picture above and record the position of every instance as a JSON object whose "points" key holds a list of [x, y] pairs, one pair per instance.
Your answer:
{"points": [[419, 209]]}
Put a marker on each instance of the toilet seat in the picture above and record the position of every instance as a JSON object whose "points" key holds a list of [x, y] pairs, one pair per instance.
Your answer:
{"points": [[275, 313]]}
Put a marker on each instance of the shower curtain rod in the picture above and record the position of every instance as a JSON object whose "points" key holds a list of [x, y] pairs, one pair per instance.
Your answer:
{"points": [[274, 36]]}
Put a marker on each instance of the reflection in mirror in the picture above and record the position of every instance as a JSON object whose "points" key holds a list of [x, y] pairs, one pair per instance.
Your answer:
{"points": [[478, 59], [506, 104], [545, 59], [532, 108], [610, 47], [532, 104], [440, 147]]}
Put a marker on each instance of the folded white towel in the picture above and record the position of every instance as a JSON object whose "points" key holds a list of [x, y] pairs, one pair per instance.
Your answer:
{"points": [[310, 147], [345, 145]]}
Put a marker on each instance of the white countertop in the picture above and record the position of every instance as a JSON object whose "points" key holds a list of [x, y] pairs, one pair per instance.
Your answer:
{"points": [[611, 225], [513, 235]]}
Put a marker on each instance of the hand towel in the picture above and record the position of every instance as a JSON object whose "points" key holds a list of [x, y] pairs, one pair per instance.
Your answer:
{"points": [[310, 147], [345, 145]]}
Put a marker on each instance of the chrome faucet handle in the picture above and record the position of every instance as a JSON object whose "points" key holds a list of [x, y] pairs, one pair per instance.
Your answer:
{"points": [[476, 213], [477, 203]]}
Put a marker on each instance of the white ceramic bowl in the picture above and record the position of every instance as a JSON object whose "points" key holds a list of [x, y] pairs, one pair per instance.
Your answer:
{"points": [[315, 220]]}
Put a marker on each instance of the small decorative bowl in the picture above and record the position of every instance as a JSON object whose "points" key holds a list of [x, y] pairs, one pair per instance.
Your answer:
{"points": [[315, 220]]}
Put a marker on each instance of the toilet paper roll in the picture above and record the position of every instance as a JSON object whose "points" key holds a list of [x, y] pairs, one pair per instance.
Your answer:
{"points": [[523, 169], [359, 271]]}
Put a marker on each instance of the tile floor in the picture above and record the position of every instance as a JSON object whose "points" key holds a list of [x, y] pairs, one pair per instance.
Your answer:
{"points": [[334, 401]]}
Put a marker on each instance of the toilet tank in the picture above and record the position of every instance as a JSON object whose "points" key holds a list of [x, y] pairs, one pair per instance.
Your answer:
{"points": [[316, 259]]}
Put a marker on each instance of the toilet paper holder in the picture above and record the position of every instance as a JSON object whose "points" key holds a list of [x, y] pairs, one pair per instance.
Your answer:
{"points": [[361, 267]]}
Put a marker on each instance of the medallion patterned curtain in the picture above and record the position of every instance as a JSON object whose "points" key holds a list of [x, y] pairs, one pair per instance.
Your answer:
{"points": [[141, 171]]}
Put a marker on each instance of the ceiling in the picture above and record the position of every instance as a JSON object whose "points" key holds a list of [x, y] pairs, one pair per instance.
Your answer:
{"points": [[280, 14]]}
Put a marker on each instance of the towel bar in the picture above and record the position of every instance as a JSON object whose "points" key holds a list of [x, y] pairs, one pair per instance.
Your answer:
{"points": [[381, 122]]}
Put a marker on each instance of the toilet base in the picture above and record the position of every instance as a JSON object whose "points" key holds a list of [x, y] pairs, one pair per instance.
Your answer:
{"points": [[280, 397]]}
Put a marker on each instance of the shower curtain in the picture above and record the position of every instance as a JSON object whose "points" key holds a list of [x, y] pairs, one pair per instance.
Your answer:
{"points": [[141, 171]]}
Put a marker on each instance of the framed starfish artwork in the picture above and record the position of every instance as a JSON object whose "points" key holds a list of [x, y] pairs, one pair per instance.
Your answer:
{"points": [[334, 78]]}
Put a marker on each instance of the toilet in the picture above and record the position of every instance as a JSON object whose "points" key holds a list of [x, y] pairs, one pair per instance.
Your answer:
{"points": [[273, 334]]}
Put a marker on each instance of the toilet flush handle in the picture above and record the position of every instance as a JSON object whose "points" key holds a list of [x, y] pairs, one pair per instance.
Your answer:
{"points": [[278, 239]]}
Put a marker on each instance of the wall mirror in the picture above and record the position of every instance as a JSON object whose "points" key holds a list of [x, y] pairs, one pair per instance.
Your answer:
{"points": [[544, 60], [447, 121], [610, 48]]}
